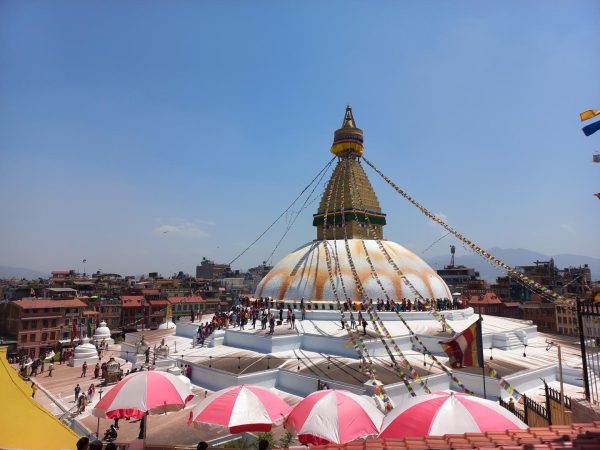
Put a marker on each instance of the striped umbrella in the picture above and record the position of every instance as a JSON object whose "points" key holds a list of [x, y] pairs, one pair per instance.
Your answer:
{"points": [[240, 408], [447, 413], [334, 416], [146, 392]]}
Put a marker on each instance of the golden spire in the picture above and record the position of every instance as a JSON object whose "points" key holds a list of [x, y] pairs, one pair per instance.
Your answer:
{"points": [[348, 140], [349, 203]]}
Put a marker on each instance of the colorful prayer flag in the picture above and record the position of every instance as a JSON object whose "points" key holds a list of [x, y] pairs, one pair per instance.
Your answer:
{"points": [[598, 195], [586, 115], [591, 128], [466, 348]]}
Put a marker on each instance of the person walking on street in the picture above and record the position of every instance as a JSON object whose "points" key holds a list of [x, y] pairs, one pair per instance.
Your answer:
{"points": [[364, 325], [50, 369], [34, 389], [77, 391], [83, 369], [97, 370]]}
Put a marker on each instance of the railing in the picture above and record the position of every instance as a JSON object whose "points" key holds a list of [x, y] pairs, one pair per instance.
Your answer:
{"points": [[511, 407], [535, 407], [555, 395]]}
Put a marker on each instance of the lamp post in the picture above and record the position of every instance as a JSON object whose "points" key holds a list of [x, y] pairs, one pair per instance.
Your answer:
{"points": [[560, 375], [98, 423]]}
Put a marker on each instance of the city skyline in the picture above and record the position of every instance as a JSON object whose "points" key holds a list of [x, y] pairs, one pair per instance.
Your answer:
{"points": [[144, 138]]}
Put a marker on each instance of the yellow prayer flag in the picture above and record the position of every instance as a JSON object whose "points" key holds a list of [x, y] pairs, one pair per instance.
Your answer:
{"points": [[589, 114], [348, 343], [597, 298]]}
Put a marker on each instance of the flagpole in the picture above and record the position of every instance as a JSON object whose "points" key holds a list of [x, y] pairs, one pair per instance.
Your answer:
{"points": [[483, 365]]}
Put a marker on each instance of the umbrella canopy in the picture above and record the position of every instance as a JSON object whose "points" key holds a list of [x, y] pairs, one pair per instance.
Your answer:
{"points": [[334, 416], [149, 391], [447, 413], [240, 408]]}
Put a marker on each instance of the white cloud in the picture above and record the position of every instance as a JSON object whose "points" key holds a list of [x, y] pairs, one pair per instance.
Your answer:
{"points": [[567, 227], [180, 228]]}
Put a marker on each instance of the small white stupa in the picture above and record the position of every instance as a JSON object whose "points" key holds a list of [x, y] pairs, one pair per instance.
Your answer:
{"points": [[168, 324], [102, 333], [85, 351]]}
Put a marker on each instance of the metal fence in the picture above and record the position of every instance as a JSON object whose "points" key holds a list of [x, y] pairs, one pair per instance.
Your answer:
{"points": [[588, 317]]}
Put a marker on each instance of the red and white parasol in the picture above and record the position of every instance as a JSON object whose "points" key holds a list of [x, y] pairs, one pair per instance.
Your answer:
{"points": [[334, 416], [149, 391], [240, 408], [447, 413]]}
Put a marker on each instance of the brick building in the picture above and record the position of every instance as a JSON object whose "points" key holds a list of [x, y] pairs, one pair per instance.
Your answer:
{"points": [[38, 324]]}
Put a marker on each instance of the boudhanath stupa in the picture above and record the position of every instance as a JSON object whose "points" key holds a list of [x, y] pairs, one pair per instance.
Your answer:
{"points": [[349, 250]]}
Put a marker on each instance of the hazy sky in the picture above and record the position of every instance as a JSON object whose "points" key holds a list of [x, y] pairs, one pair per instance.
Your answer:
{"points": [[120, 120]]}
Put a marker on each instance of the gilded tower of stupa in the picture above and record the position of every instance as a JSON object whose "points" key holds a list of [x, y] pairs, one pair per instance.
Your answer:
{"points": [[349, 192]]}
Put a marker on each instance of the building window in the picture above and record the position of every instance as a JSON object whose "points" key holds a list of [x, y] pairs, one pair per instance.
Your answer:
{"points": [[44, 337], [32, 337], [53, 336], [23, 338]]}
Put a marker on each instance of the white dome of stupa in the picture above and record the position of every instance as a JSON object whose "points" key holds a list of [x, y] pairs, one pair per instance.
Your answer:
{"points": [[85, 352], [102, 332], [304, 273]]}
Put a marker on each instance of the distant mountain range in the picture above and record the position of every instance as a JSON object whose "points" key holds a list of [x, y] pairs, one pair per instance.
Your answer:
{"points": [[19, 272], [514, 257]]}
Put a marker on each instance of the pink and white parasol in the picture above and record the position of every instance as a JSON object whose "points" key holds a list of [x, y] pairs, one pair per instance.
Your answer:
{"points": [[334, 416], [240, 408], [447, 413], [149, 391]]}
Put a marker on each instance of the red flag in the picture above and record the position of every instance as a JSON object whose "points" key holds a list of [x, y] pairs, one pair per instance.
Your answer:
{"points": [[598, 195], [466, 348]]}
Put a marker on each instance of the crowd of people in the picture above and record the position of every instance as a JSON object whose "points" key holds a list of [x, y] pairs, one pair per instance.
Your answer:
{"points": [[267, 314], [408, 305], [246, 316]]}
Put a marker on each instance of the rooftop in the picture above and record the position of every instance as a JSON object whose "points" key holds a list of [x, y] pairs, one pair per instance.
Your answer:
{"points": [[27, 303]]}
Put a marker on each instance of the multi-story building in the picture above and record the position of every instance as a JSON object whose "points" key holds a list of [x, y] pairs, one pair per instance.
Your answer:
{"points": [[62, 278], [566, 320], [209, 270], [156, 312], [38, 324], [456, 277], [488, 303], [183, 306], [542, 314], [109, 310], [132, 310], [508, 290]]}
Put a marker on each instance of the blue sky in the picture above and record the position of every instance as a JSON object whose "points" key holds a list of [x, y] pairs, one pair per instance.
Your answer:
{"points": [[121, 120]]}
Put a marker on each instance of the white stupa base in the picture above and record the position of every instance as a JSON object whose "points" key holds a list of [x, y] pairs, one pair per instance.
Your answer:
{"points": [[91, 361], [167, 325], [84, 352], [109, 341]]}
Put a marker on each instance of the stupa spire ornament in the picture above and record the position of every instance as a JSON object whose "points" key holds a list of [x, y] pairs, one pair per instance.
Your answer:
{"points": [[348, 140], [349, 203]]}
